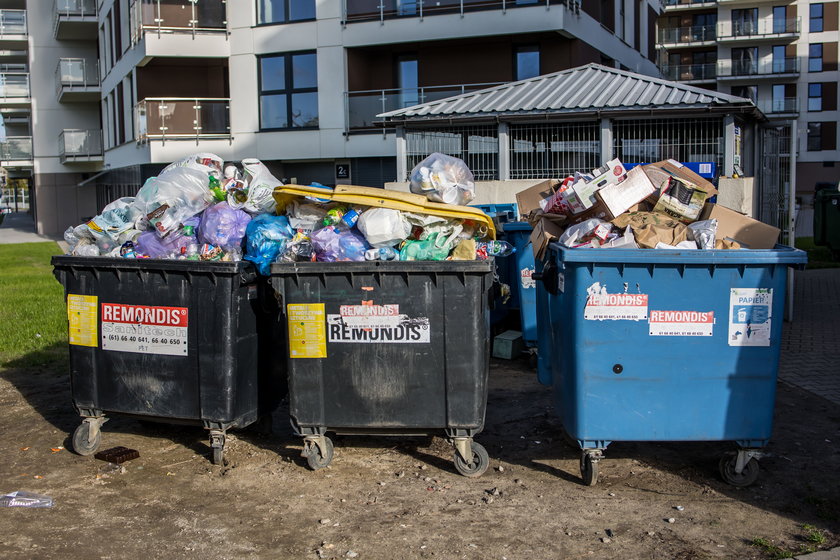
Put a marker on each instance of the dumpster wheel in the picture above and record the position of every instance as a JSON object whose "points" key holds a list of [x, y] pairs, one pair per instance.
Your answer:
{"points": [[217, 443], [479, 464], [746, 477], [318, 454], [589, 470], [87, 437]]}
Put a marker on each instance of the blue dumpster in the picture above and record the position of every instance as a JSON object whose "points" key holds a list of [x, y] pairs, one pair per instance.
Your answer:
{"points": [[523, 287], [664, 345], [502, 214]]}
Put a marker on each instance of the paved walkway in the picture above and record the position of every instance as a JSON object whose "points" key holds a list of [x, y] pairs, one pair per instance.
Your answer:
{"points": [[811, 343], [19, 227]]}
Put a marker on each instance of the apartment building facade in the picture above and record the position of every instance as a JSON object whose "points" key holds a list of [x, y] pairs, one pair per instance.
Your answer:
{"points": [[296, 83], [783, 54]]}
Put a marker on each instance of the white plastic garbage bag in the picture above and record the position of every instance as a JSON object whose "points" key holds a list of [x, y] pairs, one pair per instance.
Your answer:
{"points": [[383, 227], [173, 197]]}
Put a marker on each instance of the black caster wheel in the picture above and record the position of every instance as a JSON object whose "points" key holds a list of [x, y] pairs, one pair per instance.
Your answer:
{"points": [[588, 470], [480, 462], [218, 455], [319, 458], [727, 470], [82, 442]]}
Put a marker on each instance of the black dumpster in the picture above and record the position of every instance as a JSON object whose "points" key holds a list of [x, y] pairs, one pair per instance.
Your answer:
{"points": [[398, 348], [179, 341]]}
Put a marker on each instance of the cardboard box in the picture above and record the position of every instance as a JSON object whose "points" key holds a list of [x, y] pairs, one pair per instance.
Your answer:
{"points": [[610, 173], [545, 231], [750, 233], [660, 172], [681, 199], [529, 199], [617, 198]]}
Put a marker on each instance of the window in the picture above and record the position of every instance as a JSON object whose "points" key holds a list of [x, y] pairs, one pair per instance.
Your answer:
{"points": [[408, 80], [750, 92], [815, 19], [284, 11], [815, 57], [778, 103], [745, 22], [703, 27], [744, 61], [780, 65], [822, 136], [815, 97], [779, 19], [288, 91], [527, 62]]}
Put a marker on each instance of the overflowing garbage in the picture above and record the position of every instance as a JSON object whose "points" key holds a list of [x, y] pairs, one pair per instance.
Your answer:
{"points": [[199, 209], [663, 205]]}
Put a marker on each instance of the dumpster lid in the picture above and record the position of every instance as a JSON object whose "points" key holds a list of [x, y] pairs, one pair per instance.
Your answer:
{"points": [[780, 254], [517, 226], [114, 263], [382, 198], [349, 267]]}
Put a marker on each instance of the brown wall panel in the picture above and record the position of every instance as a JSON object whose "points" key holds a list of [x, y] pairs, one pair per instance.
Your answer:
{"points": [[830, 16]]}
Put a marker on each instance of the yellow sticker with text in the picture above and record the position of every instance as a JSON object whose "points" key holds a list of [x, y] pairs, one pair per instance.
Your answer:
{"points": [[307, 330], [81, 314]]}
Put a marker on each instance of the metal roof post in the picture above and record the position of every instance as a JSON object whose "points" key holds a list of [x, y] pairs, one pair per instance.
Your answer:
{"points": [[606, 140], [504, 152], [402, 155]]}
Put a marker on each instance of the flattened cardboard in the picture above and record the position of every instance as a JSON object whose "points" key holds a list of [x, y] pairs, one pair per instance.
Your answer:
{"points": [[545, 231], [617, 198], [749, 233], [661, 171], [529, 199]]}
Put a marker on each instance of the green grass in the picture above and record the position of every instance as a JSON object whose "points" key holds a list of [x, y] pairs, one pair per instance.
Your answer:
{"points": [[818, 257], [32, 311], [814, 535]]}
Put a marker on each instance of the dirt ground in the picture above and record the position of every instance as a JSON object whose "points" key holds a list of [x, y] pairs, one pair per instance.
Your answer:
{"points": [[401, 497]]}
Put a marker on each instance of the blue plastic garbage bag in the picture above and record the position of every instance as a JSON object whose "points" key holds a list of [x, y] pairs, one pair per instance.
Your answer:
{"points": [[266, 238]]}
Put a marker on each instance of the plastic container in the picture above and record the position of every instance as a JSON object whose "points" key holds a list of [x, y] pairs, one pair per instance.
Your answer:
{"points": [[827, 220], [665, 345], [502, 307], [387, 348], [178, 341], [523, 284]]}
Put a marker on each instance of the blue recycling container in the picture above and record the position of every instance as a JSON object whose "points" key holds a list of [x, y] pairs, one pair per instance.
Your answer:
{"points": [[664, 345], [502, 214], [523, 286]]}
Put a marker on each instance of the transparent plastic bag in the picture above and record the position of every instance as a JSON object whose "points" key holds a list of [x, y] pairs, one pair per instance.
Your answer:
{"points": [[258, 198], [223, 226], [266, 237], [703, 233], [332, 244], [590, 233], [171, 198], [205, 162], [383, 227], [22, 498], [305, 216], [443, 178]]}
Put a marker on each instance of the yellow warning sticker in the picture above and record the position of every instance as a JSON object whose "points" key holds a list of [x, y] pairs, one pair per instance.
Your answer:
{"points": [[81, 313], [307, 330]]}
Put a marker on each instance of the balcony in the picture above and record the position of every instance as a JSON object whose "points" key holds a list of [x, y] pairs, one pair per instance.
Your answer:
{"points": [[783, 69], [77, 80], [13, 29], [363, 106], [177, 118], [694, 36], [788, 106], [177, 16], [756, 2], [14, 89], [690, 73], [16, 151], [371, 10], [80, 145], [75, 20], [765, 30], [689, 5]]}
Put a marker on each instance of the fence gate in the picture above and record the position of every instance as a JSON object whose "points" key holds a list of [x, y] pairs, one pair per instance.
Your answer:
{"points": [[774, 189]]}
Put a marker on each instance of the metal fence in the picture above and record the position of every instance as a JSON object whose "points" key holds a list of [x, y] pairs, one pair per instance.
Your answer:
{"points": [[646, 141], [478, 146], [774, 194], [553, 150]]}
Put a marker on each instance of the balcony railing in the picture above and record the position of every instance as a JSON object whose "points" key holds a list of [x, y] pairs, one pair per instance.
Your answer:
{"points": [[687, 35], [363, 106], [688, 2], [76, 73], [177, 16], [80, 144], [770, 28], [13, 22], [777, 106], [14, 86], [690, 72], [16, 148], [178, 118], [366, 10], [730, 68]]}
